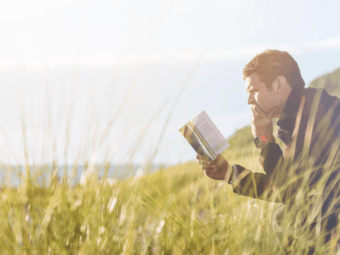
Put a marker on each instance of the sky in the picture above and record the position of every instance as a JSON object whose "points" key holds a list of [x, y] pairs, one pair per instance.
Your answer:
{"points": [[115, 80]]}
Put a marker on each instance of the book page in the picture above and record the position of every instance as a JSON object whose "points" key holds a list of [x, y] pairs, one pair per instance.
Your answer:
{"points": [[208, 130]]}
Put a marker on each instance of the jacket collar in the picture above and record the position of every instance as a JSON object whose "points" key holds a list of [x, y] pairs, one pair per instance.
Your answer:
{"points": [[286, 122]]}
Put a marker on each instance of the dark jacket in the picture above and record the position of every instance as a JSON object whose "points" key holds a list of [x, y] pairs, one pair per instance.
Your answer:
{"points": [[310, 133]]}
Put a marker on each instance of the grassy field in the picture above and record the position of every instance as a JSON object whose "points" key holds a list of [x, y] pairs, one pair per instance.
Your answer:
{"points": [[176, 210]]}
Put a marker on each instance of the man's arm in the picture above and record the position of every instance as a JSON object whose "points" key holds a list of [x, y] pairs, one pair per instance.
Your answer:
{"points": [[244, 181], [259, 185]]}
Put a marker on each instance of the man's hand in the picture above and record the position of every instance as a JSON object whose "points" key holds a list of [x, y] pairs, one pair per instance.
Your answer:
{"points": [[216, 169], [261, 123]]}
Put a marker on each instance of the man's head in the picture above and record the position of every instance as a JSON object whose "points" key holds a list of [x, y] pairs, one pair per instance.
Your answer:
{"points": [[270, 77]]}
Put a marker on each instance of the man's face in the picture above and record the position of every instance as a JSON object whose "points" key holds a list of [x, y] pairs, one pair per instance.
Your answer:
{"points": [[259, 95]]}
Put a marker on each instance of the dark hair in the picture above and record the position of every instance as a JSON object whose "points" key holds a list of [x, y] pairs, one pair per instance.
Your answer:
{"points": [[270, 64]]}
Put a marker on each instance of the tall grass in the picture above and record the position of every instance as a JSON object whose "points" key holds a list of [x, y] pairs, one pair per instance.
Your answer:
{"points": [[176, 210]]}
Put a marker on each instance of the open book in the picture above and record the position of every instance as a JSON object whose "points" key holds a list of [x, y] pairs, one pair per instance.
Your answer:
{"points": [[204, 137]]}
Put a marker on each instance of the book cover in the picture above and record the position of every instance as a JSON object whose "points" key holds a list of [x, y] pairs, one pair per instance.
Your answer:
{"points": [[204, 137]]}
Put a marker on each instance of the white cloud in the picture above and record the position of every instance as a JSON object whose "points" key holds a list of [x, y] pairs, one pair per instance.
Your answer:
{"points": [[19, 10], [332, 43], [100, 60]]}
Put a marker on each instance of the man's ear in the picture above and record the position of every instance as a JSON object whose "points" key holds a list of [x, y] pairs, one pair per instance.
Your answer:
{"points": [[279, 84]]}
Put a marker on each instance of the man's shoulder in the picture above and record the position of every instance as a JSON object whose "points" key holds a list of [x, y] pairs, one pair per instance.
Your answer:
{"points": [[325, 100], [327, 113]]}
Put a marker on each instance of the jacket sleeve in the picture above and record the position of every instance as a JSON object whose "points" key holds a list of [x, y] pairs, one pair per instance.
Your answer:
{"points": [[259, 185]]}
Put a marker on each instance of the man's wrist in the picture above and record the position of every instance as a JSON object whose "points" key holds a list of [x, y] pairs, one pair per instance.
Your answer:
{"points": [[262, 140], [270, 141], [231, 174]]}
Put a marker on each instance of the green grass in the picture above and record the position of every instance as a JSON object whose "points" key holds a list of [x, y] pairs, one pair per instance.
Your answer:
{"points": [[173, 211], [176, 210]]}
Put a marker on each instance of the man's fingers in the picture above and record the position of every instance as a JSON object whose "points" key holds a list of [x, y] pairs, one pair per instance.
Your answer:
{"points": [[219, 161], [204, 162], [213, 166], [253, 112], [209, 168], [214, 175], [257, 109], [201, 157]]}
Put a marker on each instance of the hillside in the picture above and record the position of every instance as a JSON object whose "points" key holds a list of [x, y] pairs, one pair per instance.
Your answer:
{"points": [[329, 81]]}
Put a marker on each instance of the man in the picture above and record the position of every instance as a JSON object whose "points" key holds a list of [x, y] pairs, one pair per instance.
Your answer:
{"points": [[308, 125]]}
